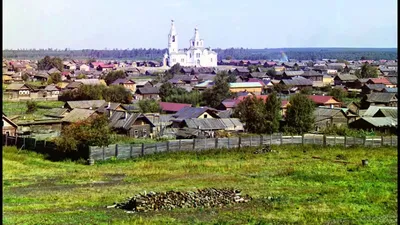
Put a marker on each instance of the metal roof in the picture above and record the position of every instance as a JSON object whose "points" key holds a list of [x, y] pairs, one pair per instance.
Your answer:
{"points": [[214, 124], [77, 115], [380, 97], [380, 121], [86, 104], [245, 85]]}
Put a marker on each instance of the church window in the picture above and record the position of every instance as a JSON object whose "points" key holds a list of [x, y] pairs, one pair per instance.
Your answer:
{"points": [[211, 59], [193, 43], [173, 38], [182, 60], [197, 43], [190, 55], [198, 55]]}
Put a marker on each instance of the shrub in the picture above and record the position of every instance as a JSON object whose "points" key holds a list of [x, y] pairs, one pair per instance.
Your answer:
{"points": [[31, 106]]}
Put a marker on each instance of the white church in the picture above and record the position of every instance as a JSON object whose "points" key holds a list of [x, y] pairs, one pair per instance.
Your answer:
{"points": [[196, 56]]}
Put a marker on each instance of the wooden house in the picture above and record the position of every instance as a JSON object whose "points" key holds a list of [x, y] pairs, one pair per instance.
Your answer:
{"points": [[131, 124], [9, 127]]}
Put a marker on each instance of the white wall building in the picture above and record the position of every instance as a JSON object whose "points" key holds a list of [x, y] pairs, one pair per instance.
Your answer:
{"points": [[197, 55]]}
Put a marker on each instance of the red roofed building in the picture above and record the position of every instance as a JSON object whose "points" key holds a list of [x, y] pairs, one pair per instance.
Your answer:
{"points": [[383, 80], [104, 67], [171, 107], [322, 100]]}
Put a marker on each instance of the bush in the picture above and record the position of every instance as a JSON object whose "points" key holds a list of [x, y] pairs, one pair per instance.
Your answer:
{"points": [[31, 106]]}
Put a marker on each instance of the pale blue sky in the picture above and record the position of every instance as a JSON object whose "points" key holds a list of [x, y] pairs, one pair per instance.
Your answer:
{"points": [[130, 24]]}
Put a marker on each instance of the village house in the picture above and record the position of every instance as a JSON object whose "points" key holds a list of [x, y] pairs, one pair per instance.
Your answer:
{"points": [[297, 83], [383, 81], [192, 112], [18, 91], [147, 93], [77, 115], [171, 107], [85, 104], [386, 125], [252, 87], [126, 83], [380, 99], [326, 117], [345, 79], [52, 91], [369, 88], [204, 85], [325, 100], [109, 107], [131, 124], [9, 127], [84, 67], [381, 111]]}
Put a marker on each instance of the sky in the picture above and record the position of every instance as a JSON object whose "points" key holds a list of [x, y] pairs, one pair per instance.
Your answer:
{"points": [[127, 24]]}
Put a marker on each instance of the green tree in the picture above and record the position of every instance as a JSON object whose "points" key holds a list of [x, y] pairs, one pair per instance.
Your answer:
{"points": [[81, 76], [367, 71], [218, 92], [149, 106], [280, 87], [167, 90], [113, 76], [91, 132], [194, 98], [25, 77], [299, 114], [31, 106], [54, 78], [228, 57], [175, 69], [48, 63], [252, 112], [117, 93], [306, 91], [338, 93], [272, 114]]}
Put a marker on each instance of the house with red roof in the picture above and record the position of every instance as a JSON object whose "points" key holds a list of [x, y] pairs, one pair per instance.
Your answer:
{"points": [[171, 107], [325, 100], [105, 67], [382, 80]]}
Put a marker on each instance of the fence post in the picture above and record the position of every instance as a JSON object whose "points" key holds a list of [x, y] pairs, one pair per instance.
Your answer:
{"points": [[281, 138], [291, 139], [216, 142], [130, 150], [179, 144], [103, 153], [250, 141], [116, 150], [34, 144], [313, 139], [345, 141], [391, 140], [270, 139], [324, 140], [229, 144], [261, 140], [23, 145], [7, 139], [382, 141], [155, 147], [302, 139], [167, 146], [364, 140], [240, 142], [142, 149]]}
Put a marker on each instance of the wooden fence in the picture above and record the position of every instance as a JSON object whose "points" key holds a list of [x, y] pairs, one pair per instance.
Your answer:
{"points": [[125, 151]]}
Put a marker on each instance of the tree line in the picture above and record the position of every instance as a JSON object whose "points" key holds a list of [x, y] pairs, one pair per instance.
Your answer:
{"points": [[230, 53]]}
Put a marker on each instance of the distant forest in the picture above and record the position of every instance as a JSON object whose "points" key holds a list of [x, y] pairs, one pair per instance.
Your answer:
{"points": [[231, 53]]}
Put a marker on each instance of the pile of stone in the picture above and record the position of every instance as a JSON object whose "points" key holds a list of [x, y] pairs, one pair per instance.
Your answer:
{"points": [[205, 198]]}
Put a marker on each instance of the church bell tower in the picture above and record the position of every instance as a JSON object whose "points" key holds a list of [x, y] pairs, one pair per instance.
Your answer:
{"points": [[172, 39]]}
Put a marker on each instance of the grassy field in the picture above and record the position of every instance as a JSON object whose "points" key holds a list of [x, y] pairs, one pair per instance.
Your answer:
{"points": [[19, 108], [292, 186]]}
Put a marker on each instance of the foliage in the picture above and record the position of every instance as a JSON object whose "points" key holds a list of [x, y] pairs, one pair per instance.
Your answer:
{"points": [[280, 87], [338, 93], [149, 106], [299, 114], [54, 78], [175, 69], [194, 98], [167, 89], [271, 72], [306, 91], [90, 132], [113, 93], [117, 93], [367, 71], [326, 88], [31, 106], [48, 63], [236, 53], [218, 92], [25, 77], [113, 76], [81, 76], [343, 61], [346, 131], [272, 114], [252, 112]]}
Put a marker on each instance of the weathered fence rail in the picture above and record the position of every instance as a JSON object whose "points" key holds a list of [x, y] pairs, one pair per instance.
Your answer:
{"points": [[125, 151]]}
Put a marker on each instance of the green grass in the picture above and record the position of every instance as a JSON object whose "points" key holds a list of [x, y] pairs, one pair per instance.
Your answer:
{"points": [[19, 108], [288, 187]]}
